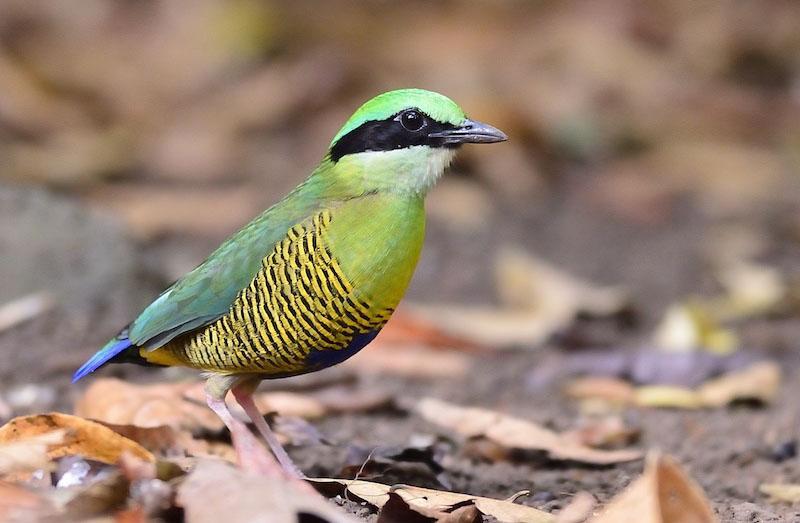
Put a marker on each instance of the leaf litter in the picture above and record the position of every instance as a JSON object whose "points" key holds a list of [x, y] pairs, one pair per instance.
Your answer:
{"points": [[514, 433]]}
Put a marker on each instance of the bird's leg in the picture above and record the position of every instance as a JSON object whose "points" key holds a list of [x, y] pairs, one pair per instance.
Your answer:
{"points": [[252, 456], [243, 392]]}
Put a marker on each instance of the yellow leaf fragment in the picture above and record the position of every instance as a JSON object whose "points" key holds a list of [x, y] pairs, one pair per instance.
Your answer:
{"points": [[666, 396], [758, 382], [691, 326], [781, 492]]}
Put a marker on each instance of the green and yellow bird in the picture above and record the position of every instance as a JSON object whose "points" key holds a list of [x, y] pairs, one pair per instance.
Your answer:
{"points": [[314, 278]]}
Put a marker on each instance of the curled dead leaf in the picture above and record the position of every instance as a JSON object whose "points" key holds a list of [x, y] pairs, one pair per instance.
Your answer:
{"points": [[516, 433], [377, 494], [83, 437], [663, 494], [538, 301], [398, 510]]}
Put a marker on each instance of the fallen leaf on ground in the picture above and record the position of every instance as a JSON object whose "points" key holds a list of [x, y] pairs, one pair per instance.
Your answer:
{"points": [[415, 362], [406, 328], [83, 437], [781, 492], [750, 290], [606, 432], [516, 433], [377, 494], [165, 441], [578, 510], [663, 494], [612, 390], [20, 504], [215, 491], [23, 309], [759, 382], [398, 510], [29, 453], [182, 406], [538, 300], [115, 401]]}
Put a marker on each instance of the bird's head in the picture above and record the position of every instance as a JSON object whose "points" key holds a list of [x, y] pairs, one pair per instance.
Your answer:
{"points": [[403, 140]]}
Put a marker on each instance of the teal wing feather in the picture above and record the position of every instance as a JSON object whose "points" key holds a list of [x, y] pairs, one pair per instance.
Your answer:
{"points": [[207, 292]]}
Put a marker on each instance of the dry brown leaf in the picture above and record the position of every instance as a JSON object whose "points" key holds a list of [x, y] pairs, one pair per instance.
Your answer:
{"points": [[290, 404], [663, 494], [18, 504], [416, 362], [178, 405], [215, 491], [578, 510], [377, 494], [165, 441], [538, 301], [29, 453], [612, 390], [781, 492], [758, 382], [406, 328], [516, 433], [398, 510], [173, 410], [87, 438], [606, 432]]}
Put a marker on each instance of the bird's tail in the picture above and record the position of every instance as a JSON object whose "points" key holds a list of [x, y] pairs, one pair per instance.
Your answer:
{"points": [[108, 352]]}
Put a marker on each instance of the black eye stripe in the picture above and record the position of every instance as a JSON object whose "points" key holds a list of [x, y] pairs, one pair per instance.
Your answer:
{"points": [[388, 135]]}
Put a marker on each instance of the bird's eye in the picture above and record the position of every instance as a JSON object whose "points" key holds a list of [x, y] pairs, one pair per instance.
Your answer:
{"points": [[412, 120]]}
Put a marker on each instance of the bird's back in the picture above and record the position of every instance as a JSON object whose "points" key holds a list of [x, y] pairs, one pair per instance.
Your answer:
{"points": [[321, 293]]}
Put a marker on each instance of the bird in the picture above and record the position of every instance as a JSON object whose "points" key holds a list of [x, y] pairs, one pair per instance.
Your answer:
{"points": [[312, 280]]}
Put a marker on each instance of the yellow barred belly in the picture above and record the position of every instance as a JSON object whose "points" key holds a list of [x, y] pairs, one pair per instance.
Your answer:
{"points": [[299, 301]]}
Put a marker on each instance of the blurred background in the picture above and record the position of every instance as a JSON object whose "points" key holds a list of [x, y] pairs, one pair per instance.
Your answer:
{"points": [[654, 147]]}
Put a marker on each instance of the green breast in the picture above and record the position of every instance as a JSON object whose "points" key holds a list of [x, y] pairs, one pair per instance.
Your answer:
{"points": [[333, 277]]}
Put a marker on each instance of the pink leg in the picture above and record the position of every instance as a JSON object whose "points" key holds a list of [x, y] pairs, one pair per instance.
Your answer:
{"points": [[243, 392], [250, 453]]}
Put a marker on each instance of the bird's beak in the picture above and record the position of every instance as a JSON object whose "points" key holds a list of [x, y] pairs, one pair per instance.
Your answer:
{"points": [[471, 131]]}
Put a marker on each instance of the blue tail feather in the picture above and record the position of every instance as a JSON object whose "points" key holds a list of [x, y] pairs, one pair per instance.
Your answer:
{"points": [[108, 352]]}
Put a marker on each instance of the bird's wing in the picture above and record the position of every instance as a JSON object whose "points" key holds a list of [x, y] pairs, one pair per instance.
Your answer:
{"points": [[207, 292]]}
